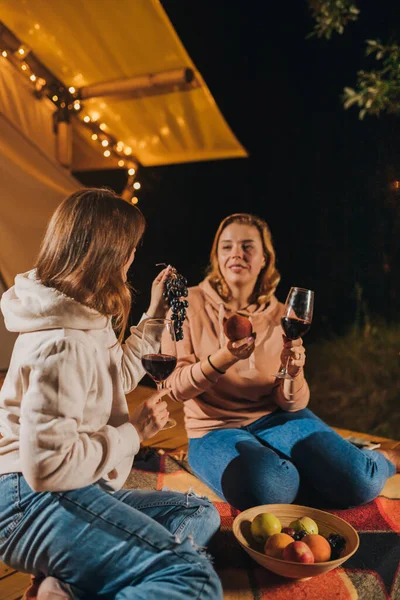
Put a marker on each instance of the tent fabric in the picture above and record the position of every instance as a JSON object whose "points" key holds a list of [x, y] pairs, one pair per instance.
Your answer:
{"points": [[31, 188], [32, 181], [32, 117], [84, 42]]}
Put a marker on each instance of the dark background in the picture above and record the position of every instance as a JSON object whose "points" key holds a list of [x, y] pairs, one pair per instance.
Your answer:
{"points": [[320, 177]]}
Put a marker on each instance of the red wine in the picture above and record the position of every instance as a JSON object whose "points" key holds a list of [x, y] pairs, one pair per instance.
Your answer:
{"points": [[159, 366], [294, 328]]}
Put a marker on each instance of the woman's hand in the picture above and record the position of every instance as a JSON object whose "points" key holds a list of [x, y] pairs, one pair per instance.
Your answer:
{"points": [[158, 306], [294, 354], [242, 349], [150, 416]]}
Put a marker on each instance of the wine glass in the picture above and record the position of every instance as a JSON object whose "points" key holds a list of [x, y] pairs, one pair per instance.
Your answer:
{"points": [[158, 353], [296, 319]]}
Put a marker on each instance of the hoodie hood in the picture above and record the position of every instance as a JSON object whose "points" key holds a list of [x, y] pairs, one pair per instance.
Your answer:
{"points": [[262, 317], [31, 306], [252, 311]]}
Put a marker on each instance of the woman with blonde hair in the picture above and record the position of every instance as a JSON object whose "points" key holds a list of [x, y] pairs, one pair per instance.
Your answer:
{"points": [[67, 439], [251, 438]]}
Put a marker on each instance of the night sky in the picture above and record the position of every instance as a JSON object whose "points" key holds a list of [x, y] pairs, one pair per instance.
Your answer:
{"points": [[319, 176]]}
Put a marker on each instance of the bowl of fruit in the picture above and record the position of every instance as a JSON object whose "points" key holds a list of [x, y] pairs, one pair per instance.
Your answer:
{"points": [[295, 541]]}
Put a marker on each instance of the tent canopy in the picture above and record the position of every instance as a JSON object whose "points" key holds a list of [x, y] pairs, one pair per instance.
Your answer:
{"points": [[80, 44], [84, 42]]}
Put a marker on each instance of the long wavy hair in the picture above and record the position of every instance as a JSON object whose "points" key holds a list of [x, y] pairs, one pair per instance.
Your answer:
{"points": [[269, 276], [88, 241]]}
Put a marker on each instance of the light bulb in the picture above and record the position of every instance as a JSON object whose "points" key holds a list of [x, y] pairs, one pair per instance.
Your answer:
{"points": [[137, 185], [131, 171], [55, 98], [86, 119], [104, 143], [94, 136], [71, 90], [4, 53], [107, 153], [135, 200], [102, 126], [32, 77], [121, 163]]}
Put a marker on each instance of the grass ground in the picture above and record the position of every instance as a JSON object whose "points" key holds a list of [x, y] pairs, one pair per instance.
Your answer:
{"points": [[354, 379]]}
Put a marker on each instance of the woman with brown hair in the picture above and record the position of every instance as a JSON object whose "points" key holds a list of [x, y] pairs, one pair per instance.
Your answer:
{"points": [[67, 438], [251, 438]]}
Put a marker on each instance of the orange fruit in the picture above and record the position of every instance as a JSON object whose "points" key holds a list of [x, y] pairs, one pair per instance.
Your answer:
{"points": [[276, 543], [319, 546]]}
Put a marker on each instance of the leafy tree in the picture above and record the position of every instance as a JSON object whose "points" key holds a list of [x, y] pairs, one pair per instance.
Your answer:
{"points": [[378, 90]]}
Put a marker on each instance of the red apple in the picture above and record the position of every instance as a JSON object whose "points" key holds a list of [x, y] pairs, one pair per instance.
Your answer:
{"points": [[298, 552], [237, 327]]}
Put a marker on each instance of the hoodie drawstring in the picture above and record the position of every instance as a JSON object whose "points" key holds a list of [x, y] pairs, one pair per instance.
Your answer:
{"points": [[252, 360], [221, 318]]}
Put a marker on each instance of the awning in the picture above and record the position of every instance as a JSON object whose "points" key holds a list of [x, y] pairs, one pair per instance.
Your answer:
{"points": [[85, 42]]}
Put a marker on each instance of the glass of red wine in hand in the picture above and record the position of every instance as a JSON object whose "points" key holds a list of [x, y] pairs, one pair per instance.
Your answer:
{"points": [[158, 353], [296, 319]]}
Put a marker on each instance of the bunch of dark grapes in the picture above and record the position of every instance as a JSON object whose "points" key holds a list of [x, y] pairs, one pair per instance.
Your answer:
{"points": [[175, 288], [337, 543], [299, 535]]}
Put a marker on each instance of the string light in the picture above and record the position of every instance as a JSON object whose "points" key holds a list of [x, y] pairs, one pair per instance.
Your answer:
{"points": [[67, 100], [135, 200], [137, 185]]}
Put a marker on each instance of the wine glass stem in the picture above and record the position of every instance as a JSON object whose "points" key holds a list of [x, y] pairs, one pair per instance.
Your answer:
{"points": [[285, 367]]}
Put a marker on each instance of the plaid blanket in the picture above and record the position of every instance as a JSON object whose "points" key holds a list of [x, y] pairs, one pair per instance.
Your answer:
{"points": [[372, 573]]}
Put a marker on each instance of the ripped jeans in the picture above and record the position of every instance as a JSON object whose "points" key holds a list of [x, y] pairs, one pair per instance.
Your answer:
{"points": [[132, 544]]}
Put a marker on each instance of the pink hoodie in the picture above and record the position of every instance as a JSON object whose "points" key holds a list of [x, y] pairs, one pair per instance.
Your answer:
{"points": [[249, 389]]}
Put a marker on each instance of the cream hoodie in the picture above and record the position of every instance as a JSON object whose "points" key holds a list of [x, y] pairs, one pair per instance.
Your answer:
{"points": [[249, 389], [63, 413]]}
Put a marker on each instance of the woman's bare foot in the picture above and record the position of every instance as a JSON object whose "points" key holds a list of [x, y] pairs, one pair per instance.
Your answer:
{"points": [[392, 454]]}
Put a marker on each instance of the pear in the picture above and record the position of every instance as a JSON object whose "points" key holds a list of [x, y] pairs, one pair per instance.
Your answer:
{"points": [[304, 524], [264, 525]]}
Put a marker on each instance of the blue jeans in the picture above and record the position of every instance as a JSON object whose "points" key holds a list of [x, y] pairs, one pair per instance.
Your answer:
{"points": [[283, 455], [136, 545]]}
